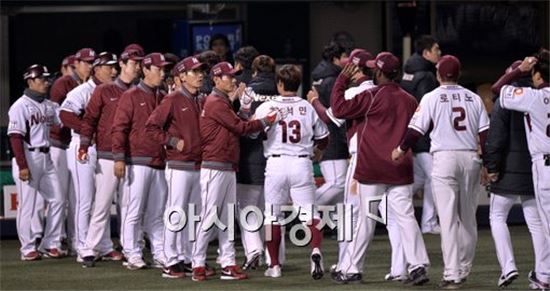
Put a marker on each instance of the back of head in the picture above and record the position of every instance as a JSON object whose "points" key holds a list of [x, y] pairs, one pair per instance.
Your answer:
{"points": [[542, 64], [424, 42], [290, 76], [210, 58], [333, 50], [263, 64], [245, 56]]}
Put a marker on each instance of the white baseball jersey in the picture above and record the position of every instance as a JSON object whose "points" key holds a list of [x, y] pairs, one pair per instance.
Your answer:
{"points": [[295, 133], [458, 115], [536, 103], [77, 99], [32, 120]]}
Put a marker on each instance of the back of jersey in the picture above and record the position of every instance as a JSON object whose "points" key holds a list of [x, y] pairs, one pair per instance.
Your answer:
{"points": [[295, 133], [457, 116]]}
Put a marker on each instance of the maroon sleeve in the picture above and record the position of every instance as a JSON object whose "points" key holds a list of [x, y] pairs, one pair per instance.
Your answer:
{"points": [[321, 110], [91, 117], [121, 126], [410, 139], [70, 120], [506, 79], [16, 141], [224, 115], [322, 143], [157, 123], [483, 140], [58, 92], [348, 109]]}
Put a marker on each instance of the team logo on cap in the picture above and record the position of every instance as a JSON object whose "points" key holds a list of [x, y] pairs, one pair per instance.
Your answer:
{"points": [[195, 61], [380, 64], [217, 71]]}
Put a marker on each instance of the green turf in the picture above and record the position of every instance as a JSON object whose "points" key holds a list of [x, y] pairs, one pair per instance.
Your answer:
{"points": [[67, 274]]}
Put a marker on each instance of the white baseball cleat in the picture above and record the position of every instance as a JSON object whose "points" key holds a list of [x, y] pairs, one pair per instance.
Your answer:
{"points": [[507, 279], [317, 269], [136, 263], [273, 272]]}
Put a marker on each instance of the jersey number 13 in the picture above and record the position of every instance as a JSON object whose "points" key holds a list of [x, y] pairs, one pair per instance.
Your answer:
{"points": [[295, 134]]}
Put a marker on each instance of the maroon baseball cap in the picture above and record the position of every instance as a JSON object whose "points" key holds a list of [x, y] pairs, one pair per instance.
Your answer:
{"points": [[359, 58], [68, 61], [448, 66], [105, 58], [131, 54], [85, 54], [36, 71], [353, 53], [155, 59], [224, 68], [385, 62], [187, 64], [135, 46]]}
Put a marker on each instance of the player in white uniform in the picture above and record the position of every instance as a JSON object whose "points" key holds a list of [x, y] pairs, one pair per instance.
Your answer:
{"points": [[291, 142], [83, 173], [458, 116], [30, 118], [536, 104]]}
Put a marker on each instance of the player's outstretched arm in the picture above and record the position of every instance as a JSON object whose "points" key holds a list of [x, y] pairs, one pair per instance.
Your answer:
{"points": [[91, 118], [353, 108]]}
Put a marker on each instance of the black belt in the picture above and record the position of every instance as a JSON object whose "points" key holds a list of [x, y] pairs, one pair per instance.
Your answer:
{"points": [[40, 149], [300, 156]]}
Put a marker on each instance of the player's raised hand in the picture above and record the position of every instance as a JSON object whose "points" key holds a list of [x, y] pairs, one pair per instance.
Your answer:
{"points": [[180, 145], [246, 99], [349, 70], [312, 94], [397, 154], [120, 169], [527, 64], [82, 156], [24, 175], [238, 92]]}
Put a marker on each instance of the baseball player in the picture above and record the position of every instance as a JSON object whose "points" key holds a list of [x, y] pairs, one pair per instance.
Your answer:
{"points": [[144, 189], [30, 118], [83, 174], [458, 117], [61, 136], [175, 124], [97, 121], [220, 129], [291, 142], [509, 165], [386, 109], [535, 103], [67, 65]]}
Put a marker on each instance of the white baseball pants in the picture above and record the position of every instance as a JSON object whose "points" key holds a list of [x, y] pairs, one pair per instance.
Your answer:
{"points": [[218, 189], [59, 159], [250, 195], [499, 209], [37, 220], [183, 192], [142, 209], [423, 180], [98, 239], [334, 174], [541, 180], [44, 181], [400, 203], [455, 186]]}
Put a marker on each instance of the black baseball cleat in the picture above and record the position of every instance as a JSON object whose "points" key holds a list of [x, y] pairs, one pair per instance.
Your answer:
{"points": [[88, 262], [505, 280], [252, 263], [354, 278], [187, 268], [449, 285], [317, 270], [417, 277], [338, 278]]}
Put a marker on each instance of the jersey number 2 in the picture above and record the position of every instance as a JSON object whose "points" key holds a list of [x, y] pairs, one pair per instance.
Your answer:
{"points": [[461, 116], [295, 135]]}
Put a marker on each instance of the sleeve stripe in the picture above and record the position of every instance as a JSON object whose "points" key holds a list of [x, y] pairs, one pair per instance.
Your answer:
{"points": [[417, 129], [322, 136], [483, 128], [12, 131], [337, 121]]}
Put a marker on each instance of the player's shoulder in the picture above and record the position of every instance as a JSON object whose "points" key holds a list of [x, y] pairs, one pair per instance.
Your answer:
{"points": [[20, 102]]}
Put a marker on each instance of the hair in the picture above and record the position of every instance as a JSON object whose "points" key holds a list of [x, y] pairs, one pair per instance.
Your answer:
{"points": [[333, 50], [245, 56], [290, 76], [542, 64], [263, 64], [219, 36], [424, 42], [210, 58], [391, 75], [367, 72], [449, 79]]}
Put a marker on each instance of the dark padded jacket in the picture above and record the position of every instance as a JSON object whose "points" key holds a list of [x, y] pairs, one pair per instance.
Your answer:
{"points": [[324, 76], [507, 152], [419, 79], [252, 161]]}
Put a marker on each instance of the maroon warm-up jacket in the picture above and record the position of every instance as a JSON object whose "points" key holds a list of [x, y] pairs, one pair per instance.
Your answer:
{"points": [[220, 130], [177, 117], [387, 110], [130, 142], [61, 136], [99, 117]]}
